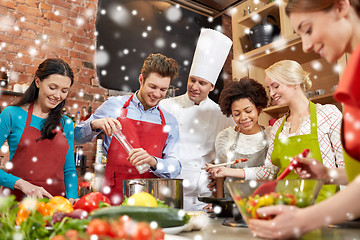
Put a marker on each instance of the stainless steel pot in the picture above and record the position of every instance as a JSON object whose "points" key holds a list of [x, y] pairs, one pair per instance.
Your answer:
{"points": [[168, 190]]}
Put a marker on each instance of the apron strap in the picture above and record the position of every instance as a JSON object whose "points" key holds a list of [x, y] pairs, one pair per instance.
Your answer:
{"points": [[313, 117], [29, 115], [124, 110], [313, 120]]}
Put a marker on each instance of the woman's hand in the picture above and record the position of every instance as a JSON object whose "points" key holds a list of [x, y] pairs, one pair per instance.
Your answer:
{"points": [[108, 125], [309, 168], [31, 190], [217, 172], [139, 156], [286, 224]]}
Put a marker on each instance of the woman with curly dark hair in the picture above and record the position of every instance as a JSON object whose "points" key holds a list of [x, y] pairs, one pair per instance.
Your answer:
{"points": [[244, 101]]}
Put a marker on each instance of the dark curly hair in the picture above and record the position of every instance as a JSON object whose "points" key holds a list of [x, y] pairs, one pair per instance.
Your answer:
{"points": [[244, 88]]}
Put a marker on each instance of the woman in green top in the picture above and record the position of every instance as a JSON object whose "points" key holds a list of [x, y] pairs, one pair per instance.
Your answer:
{"points": [[341, 34]]}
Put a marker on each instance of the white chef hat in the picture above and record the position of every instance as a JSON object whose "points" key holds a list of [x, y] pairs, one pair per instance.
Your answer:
{"points": [[210, 54]]}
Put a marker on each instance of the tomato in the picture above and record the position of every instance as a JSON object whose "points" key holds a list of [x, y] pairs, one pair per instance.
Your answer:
{"points": [[99, 227], [142, 232], [159, 234], [118, 230], [124, 219]]}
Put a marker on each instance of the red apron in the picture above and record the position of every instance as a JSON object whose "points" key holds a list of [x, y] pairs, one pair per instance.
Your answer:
{"points": [[40, 162], [140, 134]]}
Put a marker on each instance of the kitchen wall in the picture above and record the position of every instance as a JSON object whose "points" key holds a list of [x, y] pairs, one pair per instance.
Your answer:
{"points": [[33, 30]]}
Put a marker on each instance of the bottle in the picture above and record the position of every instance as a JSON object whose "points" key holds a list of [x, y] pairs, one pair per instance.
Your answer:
{"points": [[89, 112], [73, 119], [84, 115], [77, 118], [127, 146], [78, 155], [99, 151]]}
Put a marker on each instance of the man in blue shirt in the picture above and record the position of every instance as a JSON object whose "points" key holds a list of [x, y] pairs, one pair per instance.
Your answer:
{"points": [[152, 132]]}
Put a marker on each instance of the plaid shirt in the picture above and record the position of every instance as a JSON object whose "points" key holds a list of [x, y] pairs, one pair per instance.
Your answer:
{"points": [[328, 129]]}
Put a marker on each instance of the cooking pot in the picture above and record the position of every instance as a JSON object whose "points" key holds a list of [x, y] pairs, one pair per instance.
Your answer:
{"points": [[168, 190]]}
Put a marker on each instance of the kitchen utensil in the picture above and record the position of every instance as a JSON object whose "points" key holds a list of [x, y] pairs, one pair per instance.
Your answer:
{"points": [[224, 164], [264, 33], [168, 190], [127, 146], [227, 206], [297, 192], [320, 91], [270, 186]]}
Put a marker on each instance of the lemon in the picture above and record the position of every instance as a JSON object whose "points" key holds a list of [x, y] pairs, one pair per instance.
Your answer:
{"points": [[142, 199]]}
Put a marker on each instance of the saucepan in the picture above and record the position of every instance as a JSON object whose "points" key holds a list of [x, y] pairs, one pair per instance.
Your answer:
{"points": [[168, 190]]}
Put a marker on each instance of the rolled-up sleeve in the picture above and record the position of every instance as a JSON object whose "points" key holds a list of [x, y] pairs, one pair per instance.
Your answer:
{"points": [[169, 165]]}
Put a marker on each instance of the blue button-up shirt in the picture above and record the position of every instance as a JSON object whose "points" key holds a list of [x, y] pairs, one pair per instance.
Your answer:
{"points": [[169, 165]]}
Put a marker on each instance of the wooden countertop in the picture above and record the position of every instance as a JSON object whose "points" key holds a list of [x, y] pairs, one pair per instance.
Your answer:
{"points": [[216, 230]]}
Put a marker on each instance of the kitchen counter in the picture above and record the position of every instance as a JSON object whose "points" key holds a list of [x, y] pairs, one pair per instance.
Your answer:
{"points": [[216, 230]]}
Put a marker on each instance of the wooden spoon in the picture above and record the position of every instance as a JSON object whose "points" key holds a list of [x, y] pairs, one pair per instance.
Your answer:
{"points": [[224, 164]]}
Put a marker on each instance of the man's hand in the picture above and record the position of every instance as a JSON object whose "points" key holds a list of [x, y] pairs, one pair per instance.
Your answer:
{"points": [[139, 156], [108, 125]]}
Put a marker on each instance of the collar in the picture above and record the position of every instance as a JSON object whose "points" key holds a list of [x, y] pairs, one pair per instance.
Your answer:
{"points": [[138, 104], [189, 102]]}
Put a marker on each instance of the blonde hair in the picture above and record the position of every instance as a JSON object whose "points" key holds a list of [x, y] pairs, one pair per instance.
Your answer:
{"points": [[289, 72]]}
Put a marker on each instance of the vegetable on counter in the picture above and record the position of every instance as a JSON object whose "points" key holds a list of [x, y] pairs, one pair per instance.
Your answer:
{"points": [[250, 205], [59, 204], [92, 201], [123, 228], [165, 217], [34, 219]]}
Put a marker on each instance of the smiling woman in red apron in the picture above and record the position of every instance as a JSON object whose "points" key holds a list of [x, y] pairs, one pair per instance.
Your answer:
{"points": [[40, 138], [153, 133], [341, 35]]}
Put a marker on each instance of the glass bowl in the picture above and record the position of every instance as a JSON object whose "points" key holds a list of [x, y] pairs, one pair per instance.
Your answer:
{"points": [[298, 192]]}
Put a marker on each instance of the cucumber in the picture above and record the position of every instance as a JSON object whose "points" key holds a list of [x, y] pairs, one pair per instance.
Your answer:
{"points": [[165, 217]]}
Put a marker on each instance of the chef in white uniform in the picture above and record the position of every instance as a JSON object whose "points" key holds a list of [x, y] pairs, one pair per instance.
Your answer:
{"points": [[200, 118]]}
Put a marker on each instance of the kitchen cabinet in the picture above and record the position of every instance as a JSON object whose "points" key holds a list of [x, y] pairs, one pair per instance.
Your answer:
{"points": [[252, 62]]}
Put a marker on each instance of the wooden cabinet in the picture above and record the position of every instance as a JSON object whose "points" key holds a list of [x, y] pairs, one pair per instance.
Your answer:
{"points": [[252, 62]]}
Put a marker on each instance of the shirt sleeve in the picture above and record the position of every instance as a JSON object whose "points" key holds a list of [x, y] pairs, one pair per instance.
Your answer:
{"points": [[6, 179], [221, 146], [169, 165], [83, 131], [334, 123], [70, 174], [268, 170]]}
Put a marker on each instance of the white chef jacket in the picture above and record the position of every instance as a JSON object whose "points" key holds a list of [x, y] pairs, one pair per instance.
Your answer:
{"points": [[198, 126]]}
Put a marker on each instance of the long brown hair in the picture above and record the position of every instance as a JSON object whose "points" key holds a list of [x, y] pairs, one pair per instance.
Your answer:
{"points": [[48, 67], [316, 5]]}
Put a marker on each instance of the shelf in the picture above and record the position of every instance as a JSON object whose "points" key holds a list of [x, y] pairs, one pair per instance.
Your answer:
{"points": [[256, 17], [11, 93], [289, 48], [322, 99]]}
